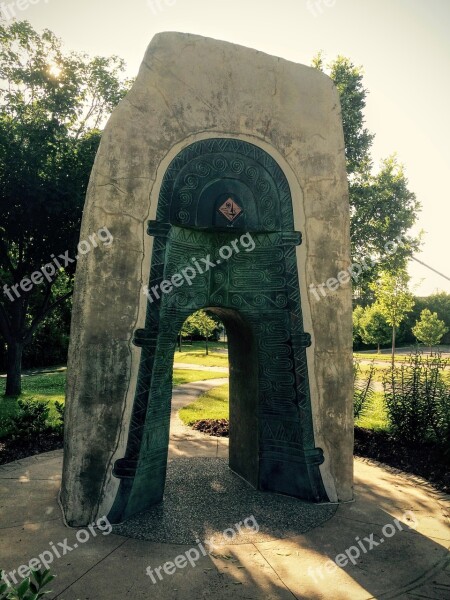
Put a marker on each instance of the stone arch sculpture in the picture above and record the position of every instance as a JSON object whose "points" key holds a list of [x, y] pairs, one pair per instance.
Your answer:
{"points": [[172, 195]]}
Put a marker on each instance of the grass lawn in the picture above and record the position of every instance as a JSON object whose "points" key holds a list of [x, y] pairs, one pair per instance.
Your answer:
{"points": [[380, 357], [374, 415], [199, 358], [51, 387], [212, 405], [378, 374], [181, 376]]}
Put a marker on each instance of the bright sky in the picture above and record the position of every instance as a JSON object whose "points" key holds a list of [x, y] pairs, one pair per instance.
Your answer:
{"points": [[403, 45]]}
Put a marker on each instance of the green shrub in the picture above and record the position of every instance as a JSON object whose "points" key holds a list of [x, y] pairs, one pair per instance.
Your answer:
{"points": [[33, 421], [29, 589], [413, 394], [60, 409], [363, 391], [440, 421]]}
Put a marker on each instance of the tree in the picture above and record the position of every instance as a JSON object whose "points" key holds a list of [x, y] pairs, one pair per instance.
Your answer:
{"points": [[429, 329], [439, 303], [394, 299], [200, 323], [52, 106], [374, 327], [383, 209]]}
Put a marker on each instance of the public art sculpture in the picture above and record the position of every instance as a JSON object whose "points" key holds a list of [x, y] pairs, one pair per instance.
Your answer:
{"points": [[221, 177]]}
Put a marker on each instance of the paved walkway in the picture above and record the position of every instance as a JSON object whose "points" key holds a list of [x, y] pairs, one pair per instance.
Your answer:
{"points": [[193, 367], [395, 561]]}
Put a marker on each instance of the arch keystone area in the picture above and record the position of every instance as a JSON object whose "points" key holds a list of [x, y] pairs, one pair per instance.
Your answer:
{"points": [[221, 177]]}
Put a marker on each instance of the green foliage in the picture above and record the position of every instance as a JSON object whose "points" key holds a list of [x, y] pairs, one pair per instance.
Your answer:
{"points": [[417, 399], [430, 329], [52, 107], [374, 328], [199, 323], [382, 207], [61, 410], [30, 588], [358, 140], [440, 421], [358, 312], [393, 298], [33, 421], [437, 303], [363, 391]]}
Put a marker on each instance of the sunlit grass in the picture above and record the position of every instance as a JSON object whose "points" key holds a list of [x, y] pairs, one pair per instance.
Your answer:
{"points": [[211, 405], [215, 405], [374, 415], [181, 376]]}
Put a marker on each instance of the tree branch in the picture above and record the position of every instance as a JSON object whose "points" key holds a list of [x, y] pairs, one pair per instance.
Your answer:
{"points": [[41, 316]]}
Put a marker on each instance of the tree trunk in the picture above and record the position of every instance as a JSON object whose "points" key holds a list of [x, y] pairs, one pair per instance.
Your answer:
{"points": [[206, 345], [378, 352], [14, 368], [393, 346], [179, 342]]}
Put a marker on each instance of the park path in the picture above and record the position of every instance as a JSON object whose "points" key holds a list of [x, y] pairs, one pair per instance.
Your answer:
{"points": [[185, 441]]}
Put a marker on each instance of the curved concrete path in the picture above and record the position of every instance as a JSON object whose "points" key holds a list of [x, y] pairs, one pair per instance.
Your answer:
{"points": [[410, 562]]}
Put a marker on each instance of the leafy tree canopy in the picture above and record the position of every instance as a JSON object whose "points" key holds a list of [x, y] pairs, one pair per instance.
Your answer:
{"points": [[429, 329], [53, 104], [383, 209]]}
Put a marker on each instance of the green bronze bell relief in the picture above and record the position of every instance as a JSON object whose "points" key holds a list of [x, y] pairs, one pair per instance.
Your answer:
{"points": [[214, 192]]}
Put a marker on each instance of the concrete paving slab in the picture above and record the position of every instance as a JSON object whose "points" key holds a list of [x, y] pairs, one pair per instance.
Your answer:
{"points": [[412, 564]]}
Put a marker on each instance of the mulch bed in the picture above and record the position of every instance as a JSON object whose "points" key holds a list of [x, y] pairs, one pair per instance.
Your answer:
{"points": [[216, 428], [425, 460], [15, 450]]}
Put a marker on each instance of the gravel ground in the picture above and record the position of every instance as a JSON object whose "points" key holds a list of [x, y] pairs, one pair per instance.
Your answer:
{"points": [[203, 498]]}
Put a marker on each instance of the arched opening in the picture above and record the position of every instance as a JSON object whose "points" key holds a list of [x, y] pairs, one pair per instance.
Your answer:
{"points": [[243, 391]]}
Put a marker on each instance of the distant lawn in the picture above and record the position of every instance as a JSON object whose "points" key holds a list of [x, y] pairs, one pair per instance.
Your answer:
{"points": [[387, 358], [200, 347], [378, 374], [195, 354], [181, 376], [211, 405]]}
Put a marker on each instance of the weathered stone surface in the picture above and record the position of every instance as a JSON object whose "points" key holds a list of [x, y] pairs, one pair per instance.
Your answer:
{"points": [[189, 89]]}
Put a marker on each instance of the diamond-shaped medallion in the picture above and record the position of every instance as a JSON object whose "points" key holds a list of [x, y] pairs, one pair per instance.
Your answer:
{"points": [[230, 210]]}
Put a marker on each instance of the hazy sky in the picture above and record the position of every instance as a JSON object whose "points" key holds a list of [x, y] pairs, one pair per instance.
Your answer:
{"points": [[403, 45]]}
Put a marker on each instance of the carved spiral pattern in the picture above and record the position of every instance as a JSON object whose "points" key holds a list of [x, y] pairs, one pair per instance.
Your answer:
{"points": [[237, 166], [203, 169], [191, 181], [263, 186], [281, 301], [220, 164], [252, 173], [183, 216], [185, 198]]}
